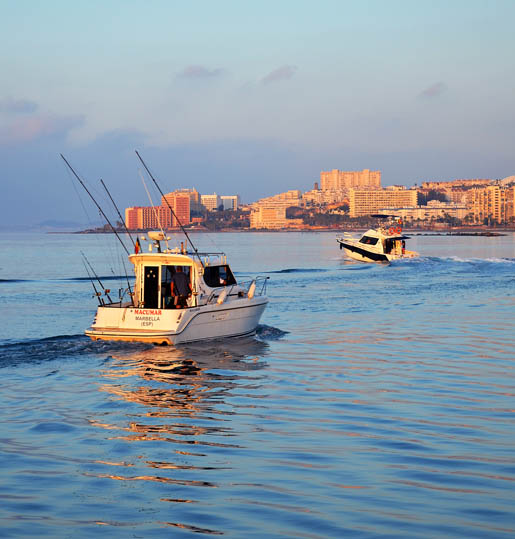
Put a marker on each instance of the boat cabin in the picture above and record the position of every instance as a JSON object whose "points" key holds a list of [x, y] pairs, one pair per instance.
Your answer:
{"points": [[159, 284]]}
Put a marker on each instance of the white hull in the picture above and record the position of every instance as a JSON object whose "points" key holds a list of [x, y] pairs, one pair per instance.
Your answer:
{"points": [[373, 256], [174, 326]]}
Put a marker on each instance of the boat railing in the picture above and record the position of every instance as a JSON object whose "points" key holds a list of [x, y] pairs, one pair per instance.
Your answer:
{"points": [[125, 296], [251, 288]]}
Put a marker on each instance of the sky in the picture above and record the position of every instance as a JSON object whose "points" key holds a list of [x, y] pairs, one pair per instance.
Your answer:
{"points": [[248, 98]]}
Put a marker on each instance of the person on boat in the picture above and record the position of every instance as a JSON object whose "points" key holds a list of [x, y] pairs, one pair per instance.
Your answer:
{"points": [[180, 288]]}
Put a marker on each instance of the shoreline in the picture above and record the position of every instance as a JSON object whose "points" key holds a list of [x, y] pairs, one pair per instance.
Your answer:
{"points": [[461, 231]]}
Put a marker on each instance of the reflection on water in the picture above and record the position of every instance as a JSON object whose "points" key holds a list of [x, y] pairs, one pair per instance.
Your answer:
{"points": [[180, 400], [176, 383]]}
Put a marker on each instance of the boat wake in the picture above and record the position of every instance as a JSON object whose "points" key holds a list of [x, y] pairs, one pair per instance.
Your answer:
{"points": [[69, 346], [66, 279], [473, 261], [269, 333], [299, 270], [61, 346]]}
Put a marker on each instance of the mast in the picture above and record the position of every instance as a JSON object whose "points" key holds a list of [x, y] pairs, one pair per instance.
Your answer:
{"points": [[170, 208], [96, 204]]}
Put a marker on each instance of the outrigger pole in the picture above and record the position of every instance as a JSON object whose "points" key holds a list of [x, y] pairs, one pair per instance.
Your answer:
{"points": [[169, 207], [122, 220], [106, 290], [128, 233], [96, 204], [97, 293]]}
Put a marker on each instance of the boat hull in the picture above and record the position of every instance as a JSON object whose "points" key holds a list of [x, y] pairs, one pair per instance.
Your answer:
{"points": [[355, 251], [363, 255], [232, 319]]}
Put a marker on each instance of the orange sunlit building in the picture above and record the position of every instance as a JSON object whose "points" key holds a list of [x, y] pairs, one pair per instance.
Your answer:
{"points": [[336, 180], [148, 217], [492, 203]]}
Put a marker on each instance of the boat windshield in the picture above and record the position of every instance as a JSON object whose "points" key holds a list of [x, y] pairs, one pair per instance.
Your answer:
{"points": [[368, 240], [215, 276]]}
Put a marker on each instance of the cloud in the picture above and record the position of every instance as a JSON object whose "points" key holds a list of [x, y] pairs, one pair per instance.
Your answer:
{"points": [[199, 72], [433, 91], [281, 73], [30, 127], [17, 106]]}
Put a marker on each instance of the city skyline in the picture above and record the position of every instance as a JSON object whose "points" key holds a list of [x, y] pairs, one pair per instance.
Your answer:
{"points": [[234, 98]]}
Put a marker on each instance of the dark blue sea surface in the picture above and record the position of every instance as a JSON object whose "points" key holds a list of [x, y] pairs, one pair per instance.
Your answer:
{"points": [[374, 401]]}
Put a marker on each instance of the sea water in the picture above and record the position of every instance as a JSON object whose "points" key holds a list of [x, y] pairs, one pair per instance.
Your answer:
{"points": [[374, 401]]}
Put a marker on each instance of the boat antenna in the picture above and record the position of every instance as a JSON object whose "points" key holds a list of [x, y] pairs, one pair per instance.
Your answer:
{"points": [[106, 290], [96, 204], [170, 208], [118, 212]]}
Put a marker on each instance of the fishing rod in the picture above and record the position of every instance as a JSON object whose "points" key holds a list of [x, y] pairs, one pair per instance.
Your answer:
{"points": [[96, 204], [170, 208], [118, 211], [97, 293], [128, 283], [106, 290]]}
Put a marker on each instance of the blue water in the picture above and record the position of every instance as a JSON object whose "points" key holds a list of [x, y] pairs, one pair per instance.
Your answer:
{"points": [[375, 400]]}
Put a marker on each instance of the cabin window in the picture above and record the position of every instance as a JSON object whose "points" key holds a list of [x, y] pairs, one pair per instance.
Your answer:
{"points": [[368, 240], [215, 276]]}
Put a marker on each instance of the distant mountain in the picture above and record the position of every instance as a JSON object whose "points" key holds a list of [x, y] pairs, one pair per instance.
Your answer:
{"points": [[50, 225]]}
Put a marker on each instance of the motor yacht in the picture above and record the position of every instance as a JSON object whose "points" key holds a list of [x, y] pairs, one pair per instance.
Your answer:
{"points": [[382, 244]]}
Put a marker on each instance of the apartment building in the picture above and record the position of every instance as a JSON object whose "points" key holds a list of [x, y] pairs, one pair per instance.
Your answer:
{"points": [[270, 212], [368, 201], [180, 204], [492, 203], [289, 198], [319, 197], [194, 197], [435, 209], [210, 202], [230, 202], [467, 184], [272, 215], [148, 217], [335, 180]]}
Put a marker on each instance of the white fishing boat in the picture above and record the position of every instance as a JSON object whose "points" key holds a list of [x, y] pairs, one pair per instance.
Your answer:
{"points": [[216, 306], [382, 244], [177, 296]]}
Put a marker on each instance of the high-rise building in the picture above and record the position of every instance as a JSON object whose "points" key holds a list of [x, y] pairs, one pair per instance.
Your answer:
{"points": [[194, 197], [230, 202], [210, 202], [155, 217], [147, 217], [335, 180], [180, 204], [366, 202], [492, 203]]}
